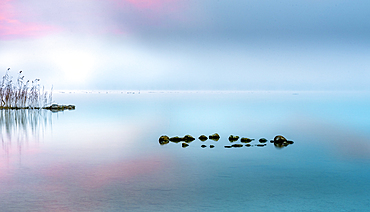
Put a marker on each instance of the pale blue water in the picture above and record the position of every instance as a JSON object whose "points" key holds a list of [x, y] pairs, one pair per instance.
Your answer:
{"points": [[105, 155]]}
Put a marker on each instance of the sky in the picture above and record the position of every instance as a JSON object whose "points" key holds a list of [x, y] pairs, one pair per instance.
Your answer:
{"points": [[188, 44]]}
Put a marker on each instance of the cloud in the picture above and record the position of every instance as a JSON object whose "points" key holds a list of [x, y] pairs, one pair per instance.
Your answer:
{"points": [[12, 25], [186, 18], [21, 18], [233, 45]]}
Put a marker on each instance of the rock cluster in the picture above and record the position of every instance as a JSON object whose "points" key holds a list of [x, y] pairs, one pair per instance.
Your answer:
{"points": [[279, 141], [186, 138]]}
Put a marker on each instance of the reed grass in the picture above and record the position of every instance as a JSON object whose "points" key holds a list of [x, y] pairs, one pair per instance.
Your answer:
{"points": [[23, 94]]}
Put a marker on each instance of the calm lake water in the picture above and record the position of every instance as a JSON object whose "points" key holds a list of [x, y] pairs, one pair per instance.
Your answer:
{"points": [[105, 155]]}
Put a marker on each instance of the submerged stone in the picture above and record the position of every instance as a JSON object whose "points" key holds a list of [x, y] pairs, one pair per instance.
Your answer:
{"points": [[237, 145], [164, 139], [233, 138], [261, 145], [211, 146], [203, 146], [248, 145], [203, 138], [262, 140], [227, 146], [214, 137], [184, 145], [246, 140]]}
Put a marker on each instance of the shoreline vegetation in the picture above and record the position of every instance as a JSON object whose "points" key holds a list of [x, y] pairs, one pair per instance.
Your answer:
{"points": [[22, 94]]}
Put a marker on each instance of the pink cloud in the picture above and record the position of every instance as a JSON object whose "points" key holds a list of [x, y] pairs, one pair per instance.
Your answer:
{"points": [[156, 10], [12, 26], [150, 4], [34, 18]]}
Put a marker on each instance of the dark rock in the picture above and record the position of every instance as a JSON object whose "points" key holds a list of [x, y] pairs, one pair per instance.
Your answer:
{"points": [[184, 145], [164, 139], [176, 139], [56, 107], [290, 142], [248, 145], [237, 145], [203, 146], [188, 138], [203, 138], [246, 140], [279, 139], [227, 146], [214, 137], [211, 146], [263, 140], [280, 145], [261, 145], [233, 138]]}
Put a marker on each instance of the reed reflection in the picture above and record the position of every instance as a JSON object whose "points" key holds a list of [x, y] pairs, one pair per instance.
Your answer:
{"points": [[22, 125]]}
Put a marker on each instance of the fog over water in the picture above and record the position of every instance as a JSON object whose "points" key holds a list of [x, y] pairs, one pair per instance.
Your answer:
{"points": [[182, 45]]}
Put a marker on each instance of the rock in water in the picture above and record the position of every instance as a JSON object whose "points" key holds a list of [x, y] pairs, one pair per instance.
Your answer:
{"points": [[184, 145], [246, 140], [279, 139], [214, 137], [233, 138], [237, 145], [263, 140], [164, 139], [176, 139], [188, 138], [203, 138]]}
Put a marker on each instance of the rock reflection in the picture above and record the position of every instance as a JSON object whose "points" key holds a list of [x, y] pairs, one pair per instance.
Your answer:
{"points": [[21, 125]]}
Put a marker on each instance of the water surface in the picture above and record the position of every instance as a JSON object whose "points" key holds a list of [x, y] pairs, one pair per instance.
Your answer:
{"points": [[105, 155]]}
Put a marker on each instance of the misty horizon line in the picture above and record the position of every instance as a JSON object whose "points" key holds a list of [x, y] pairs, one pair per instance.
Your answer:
{"points": [[205, 91]]}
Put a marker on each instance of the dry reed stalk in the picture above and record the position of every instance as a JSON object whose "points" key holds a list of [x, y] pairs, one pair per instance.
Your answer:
{"points": [[20, 95]]}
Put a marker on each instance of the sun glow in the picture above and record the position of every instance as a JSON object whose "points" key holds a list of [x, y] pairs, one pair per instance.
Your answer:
{"points": [[75, 65]]}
